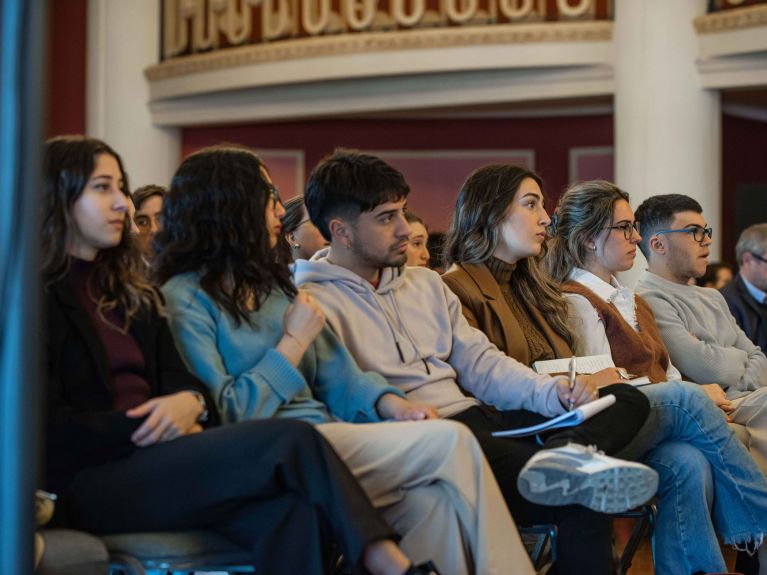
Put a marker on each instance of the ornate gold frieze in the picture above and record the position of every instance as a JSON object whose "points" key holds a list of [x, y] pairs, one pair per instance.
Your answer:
{"points": [[732, 19], [323, 46], [192, 26]]}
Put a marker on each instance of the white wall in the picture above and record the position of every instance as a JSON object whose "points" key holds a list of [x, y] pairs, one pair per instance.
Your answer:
{"points": [[123, 39], [667, 126]]}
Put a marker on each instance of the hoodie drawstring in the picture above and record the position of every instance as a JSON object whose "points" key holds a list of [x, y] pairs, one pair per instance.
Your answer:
{"points": [[403, 327], [399, 351]]}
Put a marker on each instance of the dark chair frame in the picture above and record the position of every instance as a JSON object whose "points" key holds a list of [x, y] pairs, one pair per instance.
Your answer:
{"points": [[544, 548], [646, 518]]}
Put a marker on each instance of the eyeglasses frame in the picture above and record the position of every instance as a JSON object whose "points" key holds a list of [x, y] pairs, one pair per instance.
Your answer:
{"points": [[145, 225], [709, 231], [628, 233]]}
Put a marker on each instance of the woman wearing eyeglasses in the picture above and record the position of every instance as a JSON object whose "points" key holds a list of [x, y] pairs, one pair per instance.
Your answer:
{"points": [[709, 483], [304, 239], [603, 243]]}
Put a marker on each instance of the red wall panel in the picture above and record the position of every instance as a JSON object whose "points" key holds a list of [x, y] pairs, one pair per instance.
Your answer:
{"points": [[744, 161], [550, 138], [67, 44]]}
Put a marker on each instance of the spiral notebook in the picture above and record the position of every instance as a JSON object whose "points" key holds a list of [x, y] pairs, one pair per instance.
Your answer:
{"points": [[569, 419]]}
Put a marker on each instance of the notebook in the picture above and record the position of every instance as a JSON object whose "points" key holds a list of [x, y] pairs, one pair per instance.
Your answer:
{"points": [[587, 364], [569, 419]]}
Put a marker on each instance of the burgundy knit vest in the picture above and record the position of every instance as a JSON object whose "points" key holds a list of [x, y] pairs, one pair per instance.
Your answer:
{"points": [[639, 352]]}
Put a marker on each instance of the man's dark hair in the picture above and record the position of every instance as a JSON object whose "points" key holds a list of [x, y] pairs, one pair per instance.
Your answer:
{"points": [[657, 213], [142, 194], [347, 183]]}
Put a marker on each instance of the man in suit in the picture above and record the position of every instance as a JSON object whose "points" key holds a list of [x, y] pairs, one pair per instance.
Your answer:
{"points": [[747, 294]]}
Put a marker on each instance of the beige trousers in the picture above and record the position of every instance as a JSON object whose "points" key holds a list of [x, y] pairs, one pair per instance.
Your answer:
{"points": [[435, 488]]}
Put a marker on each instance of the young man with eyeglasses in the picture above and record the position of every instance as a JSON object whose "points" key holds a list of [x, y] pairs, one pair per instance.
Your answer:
{"points": [[703, 339], [148, 217], [747, 293]]}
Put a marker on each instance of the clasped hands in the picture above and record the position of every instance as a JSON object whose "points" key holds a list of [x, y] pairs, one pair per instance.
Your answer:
{"points": [[167, 417]]}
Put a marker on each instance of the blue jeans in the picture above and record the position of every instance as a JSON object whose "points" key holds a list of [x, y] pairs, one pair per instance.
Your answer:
{"points": [[687, 441], [686, 541]]}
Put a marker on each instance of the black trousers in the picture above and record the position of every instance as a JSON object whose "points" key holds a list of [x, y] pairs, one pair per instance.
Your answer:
{"points": [[275, 487], [584, 538]]}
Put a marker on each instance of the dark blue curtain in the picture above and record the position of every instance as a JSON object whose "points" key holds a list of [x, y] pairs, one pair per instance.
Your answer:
{"points": [[22, 46]]}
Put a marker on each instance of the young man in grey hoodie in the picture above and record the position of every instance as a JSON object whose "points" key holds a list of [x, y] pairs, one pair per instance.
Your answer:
{"points": [[406, 324]]}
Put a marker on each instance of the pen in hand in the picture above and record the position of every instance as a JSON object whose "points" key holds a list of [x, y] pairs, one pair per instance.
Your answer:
{"points": [[572, 383]]}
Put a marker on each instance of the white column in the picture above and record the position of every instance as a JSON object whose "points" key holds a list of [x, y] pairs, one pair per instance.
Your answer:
{"points": [[123, 39], [667, 128]]}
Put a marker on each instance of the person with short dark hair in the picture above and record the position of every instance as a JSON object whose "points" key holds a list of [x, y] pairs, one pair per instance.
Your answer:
{"points": [[746, 296], [125, 450], [148, 216], [262, 348], [406, 324]]}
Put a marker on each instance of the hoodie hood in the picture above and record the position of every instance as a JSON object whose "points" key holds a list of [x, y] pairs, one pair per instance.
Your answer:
{"points": [[319, 270], [381, 300]]}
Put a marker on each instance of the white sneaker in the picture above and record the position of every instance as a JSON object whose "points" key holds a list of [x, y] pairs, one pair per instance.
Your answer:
{"points": [[576, 474]]}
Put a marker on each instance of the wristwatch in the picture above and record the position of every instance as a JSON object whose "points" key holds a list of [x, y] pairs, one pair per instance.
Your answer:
{"points": [[203, 417]]}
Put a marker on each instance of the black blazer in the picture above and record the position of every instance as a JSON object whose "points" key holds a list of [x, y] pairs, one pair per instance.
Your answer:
{"points": [[82, 428], [750, 314]]}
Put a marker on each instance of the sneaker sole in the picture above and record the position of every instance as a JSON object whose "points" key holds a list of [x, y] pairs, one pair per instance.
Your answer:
{"points": [[612, 490]]}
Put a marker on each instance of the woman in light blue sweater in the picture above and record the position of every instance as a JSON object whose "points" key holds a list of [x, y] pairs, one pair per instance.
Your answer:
{"points": [[262, 349]]}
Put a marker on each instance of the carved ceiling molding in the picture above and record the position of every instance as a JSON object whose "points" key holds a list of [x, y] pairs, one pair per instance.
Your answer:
{"points": [[324, 46], [734, 19]]}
